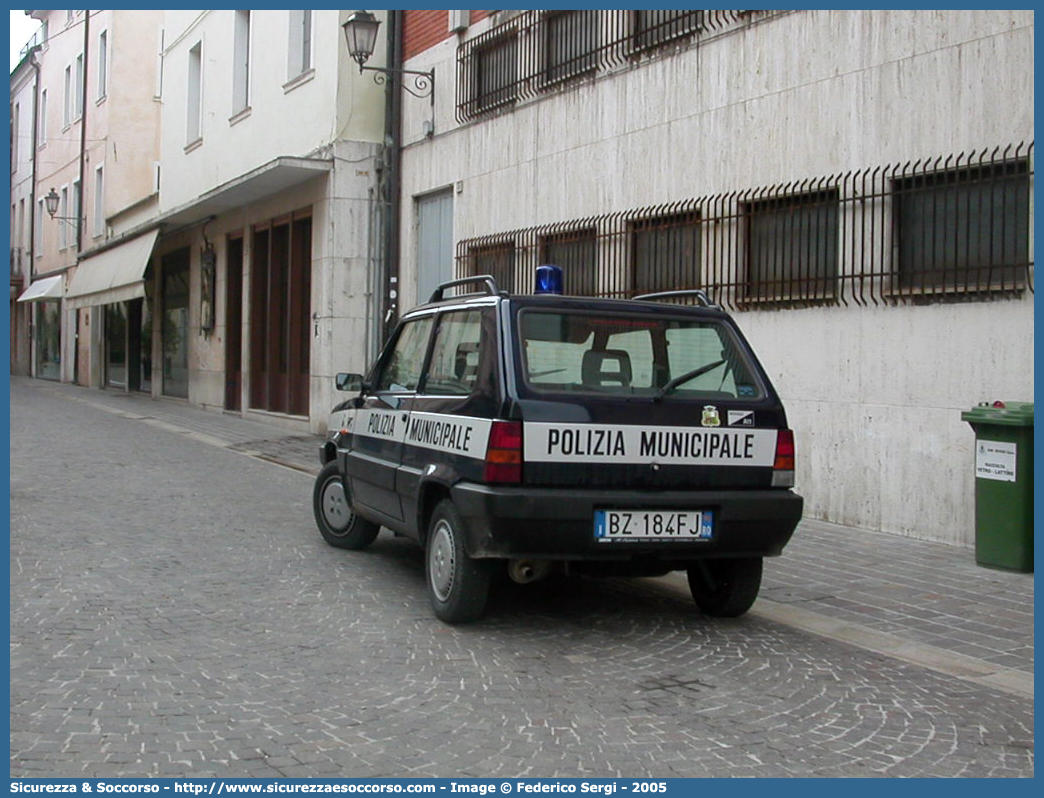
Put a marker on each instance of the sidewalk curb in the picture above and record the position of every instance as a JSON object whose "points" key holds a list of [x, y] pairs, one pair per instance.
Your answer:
{"points": [[923, 655]]}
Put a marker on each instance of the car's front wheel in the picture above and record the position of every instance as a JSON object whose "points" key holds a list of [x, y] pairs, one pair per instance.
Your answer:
{"points": [[337, 521], [725, 588], [457, 584]]}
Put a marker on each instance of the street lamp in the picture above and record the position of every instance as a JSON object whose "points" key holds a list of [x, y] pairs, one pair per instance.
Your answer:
{"points": [[360, 33], [51, 203]]}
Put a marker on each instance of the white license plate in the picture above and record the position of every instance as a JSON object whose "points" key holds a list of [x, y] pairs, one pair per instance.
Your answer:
{"points": [[646, 525]]}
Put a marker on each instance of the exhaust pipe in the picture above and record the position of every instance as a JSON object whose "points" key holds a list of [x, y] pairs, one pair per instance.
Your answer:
{"points": [[526, 571]]}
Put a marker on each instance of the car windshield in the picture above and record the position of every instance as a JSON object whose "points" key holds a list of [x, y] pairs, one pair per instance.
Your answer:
{"points": [[634, 355]]}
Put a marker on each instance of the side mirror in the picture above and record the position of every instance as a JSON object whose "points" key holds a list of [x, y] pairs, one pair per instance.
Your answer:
{"points": [[350, 382]]}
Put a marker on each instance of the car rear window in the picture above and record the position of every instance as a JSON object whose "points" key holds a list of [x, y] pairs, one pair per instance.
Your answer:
{"points": [[581, 352]]}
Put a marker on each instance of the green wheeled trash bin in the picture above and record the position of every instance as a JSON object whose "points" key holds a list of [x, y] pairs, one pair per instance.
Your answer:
{"points": [[1003, 484]]}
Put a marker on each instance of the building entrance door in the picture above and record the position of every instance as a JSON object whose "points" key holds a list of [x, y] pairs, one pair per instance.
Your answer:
{"points": [[280, 322], [48, 340], [434, 242], [234, 324]]}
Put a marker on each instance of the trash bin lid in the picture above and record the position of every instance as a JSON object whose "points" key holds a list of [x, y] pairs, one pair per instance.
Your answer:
{"points": [[1009, 414]]}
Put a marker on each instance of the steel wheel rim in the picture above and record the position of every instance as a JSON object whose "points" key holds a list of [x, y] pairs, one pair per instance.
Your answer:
{"points": [[336, 512], [441, 560]]}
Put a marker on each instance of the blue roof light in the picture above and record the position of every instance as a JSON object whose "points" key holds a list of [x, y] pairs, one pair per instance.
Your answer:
{"points": [[548, 279]]}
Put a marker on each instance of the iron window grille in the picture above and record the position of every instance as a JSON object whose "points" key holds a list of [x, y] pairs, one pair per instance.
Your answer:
{"points": [[665, 252], [656, 26], [570, 44], [537, 51], [494, 73], [576, 251], [496, 259], [942, 229], [792, 246], [963, 228]]}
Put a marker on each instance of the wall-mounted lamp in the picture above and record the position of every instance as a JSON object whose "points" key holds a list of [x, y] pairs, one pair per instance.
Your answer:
{"points": [[360, 32], [51, 203]]}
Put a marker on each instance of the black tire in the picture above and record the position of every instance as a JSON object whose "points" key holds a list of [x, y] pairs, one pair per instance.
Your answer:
{"points": [[457, 585], [725, 588], [338, 523]]}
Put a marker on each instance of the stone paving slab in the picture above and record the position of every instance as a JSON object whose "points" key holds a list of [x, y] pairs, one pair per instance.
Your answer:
{"points": [[159, 628], [916, 591]]}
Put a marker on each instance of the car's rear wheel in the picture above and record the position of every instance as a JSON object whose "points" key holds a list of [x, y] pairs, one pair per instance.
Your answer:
{"points": [[725, 588], [457, 585], [338, 523]]}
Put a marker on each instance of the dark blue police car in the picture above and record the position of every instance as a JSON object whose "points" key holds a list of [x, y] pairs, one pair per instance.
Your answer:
{"points": [[545, 432]]}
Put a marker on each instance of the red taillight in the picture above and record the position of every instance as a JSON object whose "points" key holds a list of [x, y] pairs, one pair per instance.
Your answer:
{"points": [[784, 451], [504, 452]]}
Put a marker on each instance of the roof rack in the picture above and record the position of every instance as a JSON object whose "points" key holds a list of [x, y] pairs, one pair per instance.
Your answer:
{"points": [[700, 295], [487, 279]]}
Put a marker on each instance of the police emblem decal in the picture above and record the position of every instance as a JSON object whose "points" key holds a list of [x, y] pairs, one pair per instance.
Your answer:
{"points": [[710, 416]]}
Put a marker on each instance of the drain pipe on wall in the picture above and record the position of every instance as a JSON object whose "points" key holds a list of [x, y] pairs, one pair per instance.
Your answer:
{"points": [[83, 137], [34, 62], [393, 160]]}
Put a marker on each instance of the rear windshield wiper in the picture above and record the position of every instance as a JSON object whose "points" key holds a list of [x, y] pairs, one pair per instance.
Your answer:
{"points": [[683, 378]]}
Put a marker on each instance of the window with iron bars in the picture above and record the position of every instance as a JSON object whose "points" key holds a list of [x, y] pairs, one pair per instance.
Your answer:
{"points": [[665, 253], [792, 246], [656, 26], [497, 260], [962, 229], [570, 40], [576, 252], [537, 51], [956, 227], [495, 73]]}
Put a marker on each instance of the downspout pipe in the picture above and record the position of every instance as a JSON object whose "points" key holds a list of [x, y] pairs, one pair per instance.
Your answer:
{"points": [[27, 277], [30, 267], [83, 135], [393, 142]]}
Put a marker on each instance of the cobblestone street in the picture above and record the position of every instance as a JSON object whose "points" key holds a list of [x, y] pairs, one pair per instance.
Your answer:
{"points": [[175, 612]]}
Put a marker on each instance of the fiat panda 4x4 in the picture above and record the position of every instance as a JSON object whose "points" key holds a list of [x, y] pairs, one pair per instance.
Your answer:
{"points": [[544, 432]]}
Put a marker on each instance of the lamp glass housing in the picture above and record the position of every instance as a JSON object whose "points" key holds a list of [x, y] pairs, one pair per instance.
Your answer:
{"points": [[51, 201], [360, 33]]}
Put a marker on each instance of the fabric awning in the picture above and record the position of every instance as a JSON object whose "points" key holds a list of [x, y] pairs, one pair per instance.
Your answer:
{"points": [[115, 275], [47, 288]]}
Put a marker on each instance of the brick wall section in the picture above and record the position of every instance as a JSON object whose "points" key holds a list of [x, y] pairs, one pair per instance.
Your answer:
{"points": [[424, 29]]}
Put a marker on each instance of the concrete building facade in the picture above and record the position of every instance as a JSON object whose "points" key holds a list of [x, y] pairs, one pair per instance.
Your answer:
{"points": [[855, 185], [269, 170], [218, 179], [22, 114], [95, 143]]}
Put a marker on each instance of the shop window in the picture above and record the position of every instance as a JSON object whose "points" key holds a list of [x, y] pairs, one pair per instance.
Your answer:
{"points": [[175, 330]]}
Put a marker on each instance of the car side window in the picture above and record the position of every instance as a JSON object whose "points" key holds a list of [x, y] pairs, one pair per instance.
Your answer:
{"points": [[402, 370], [454, 368]]}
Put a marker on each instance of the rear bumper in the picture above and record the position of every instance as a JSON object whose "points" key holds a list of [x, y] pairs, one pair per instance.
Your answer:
{"points": [[558, 524]]}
